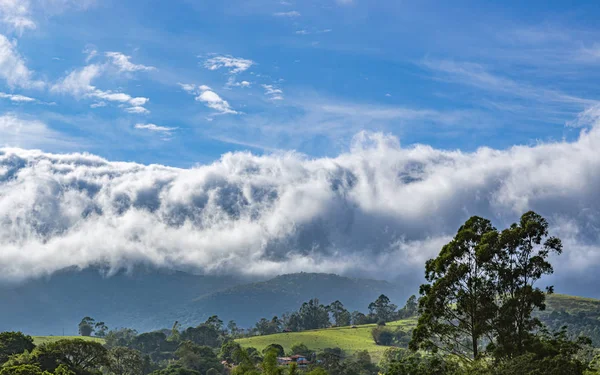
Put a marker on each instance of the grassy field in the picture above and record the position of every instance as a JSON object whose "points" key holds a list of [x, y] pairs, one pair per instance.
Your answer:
{"points": [[348, 339], [37, 340]]}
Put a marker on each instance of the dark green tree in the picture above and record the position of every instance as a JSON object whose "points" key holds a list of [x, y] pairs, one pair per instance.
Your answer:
{"points": [[521, 259], [313, 315], [81, 356], [120, 337], [340, 315], [86, 326], [301, 349], [246, 364], [204, 334], [360, 363], [14, 343], [330, 359], [269, 364], [382, 308], [228, 351], [410, 308], [549, 354], [196, 357], [125, 361], [150, 343], [276, 347], [100, 329], [233, 328], [457, 306], [214, 322], [359, 318], [382, 336]]}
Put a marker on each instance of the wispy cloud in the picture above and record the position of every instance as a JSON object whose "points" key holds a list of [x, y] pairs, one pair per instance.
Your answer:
{"points": [[273, 92], [98, 105], [234, 64], [16, 131], [290, 14], [476, 75], [121, 61], [16, 14], [13, 68], [79, 84], [210, 98], [164, 130], [90, 51], [16, 97]]}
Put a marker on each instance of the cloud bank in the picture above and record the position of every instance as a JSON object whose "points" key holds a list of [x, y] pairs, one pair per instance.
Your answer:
{"points": [[378, 210]]}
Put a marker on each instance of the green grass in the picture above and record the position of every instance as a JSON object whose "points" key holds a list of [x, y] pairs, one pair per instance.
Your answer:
{"points": [[348, 339], [37, 340]]}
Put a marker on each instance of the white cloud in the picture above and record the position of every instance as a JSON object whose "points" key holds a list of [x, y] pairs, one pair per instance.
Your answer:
{"points": [[188, 87], [137, 109], [214, 101], [79, 84], [16, 97], [91, 52], [122, 62], [210, 98], [234, 64], [155, 128], [290, 14], [12, 67], [25, 132], [98, 105], [16, 14], [378, 210], [231, 82], [273, 92]]}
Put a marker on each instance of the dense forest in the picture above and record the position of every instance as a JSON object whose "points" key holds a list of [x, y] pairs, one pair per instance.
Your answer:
{"points": [[479, 312]]}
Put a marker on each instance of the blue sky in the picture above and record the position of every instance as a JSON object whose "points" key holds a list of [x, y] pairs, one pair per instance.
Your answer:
{"points": [[182, 82]]}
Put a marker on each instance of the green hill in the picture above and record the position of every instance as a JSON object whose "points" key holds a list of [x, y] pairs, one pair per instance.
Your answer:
{"points": [[581, 314], [348, 339]]}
